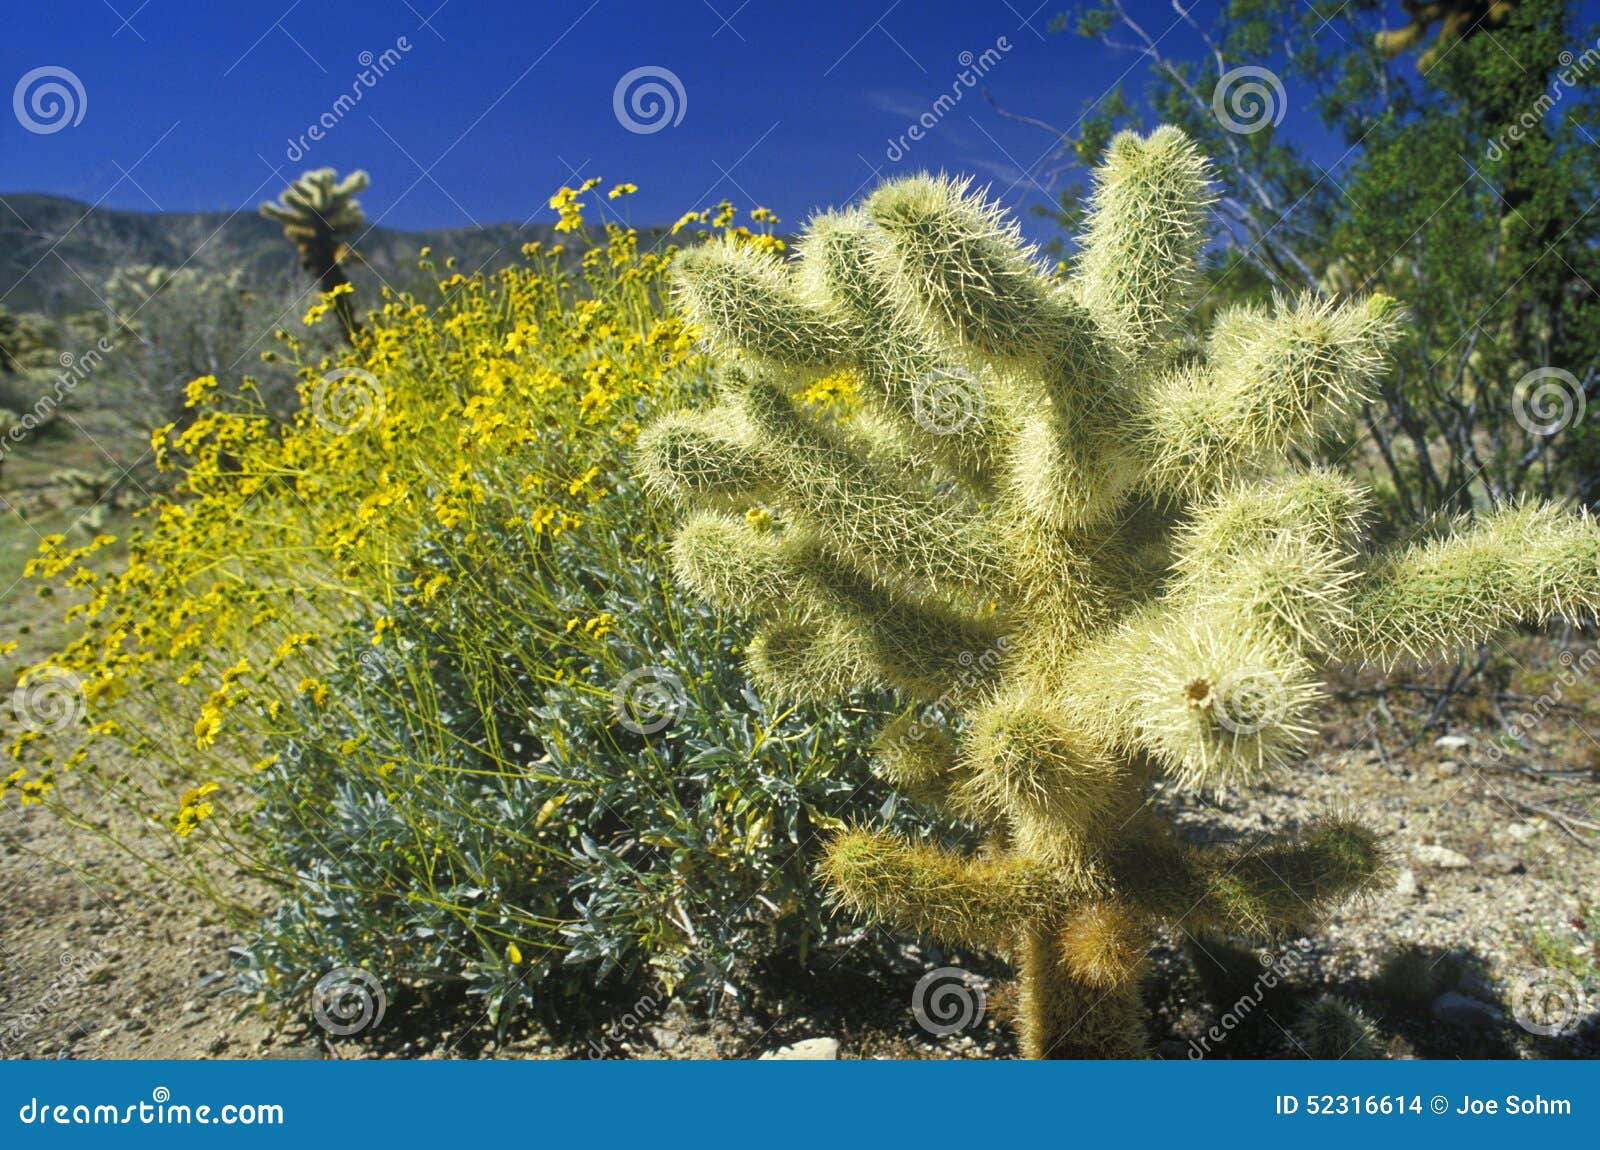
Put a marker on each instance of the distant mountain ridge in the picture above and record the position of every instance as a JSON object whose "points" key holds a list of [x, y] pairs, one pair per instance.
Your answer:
{"points": [[56, 254]]}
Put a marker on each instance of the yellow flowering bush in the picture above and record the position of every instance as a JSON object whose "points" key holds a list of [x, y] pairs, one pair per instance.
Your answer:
{"points": [[382, 653]]}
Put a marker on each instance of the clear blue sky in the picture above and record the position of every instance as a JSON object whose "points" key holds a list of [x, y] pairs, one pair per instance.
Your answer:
{"points": [[191, 105]]}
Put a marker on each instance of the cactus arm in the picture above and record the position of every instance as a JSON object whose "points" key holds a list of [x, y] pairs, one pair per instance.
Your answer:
{"points": [[957, 899], [1270, 385], [1025, 759], [917, 755], [920, 645], [744, 300], [810, 660], [725, 561], [964, 270], [695, 457], [830, 486], [1139, 265], [905, 374], [1526, 563]]}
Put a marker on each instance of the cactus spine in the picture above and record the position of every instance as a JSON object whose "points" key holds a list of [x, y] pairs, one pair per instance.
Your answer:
{"points": [[318, 212], [1070, 537]]}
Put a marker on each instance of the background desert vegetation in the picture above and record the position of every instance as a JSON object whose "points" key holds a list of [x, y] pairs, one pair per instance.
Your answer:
{"points": [[358, 706]]}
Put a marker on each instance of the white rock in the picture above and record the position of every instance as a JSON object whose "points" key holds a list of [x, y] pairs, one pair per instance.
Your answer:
{"points": [[806, 1050], [1522, 832], [1452, 742], [1459, 1010], [1442, 857], [1405, 883]]}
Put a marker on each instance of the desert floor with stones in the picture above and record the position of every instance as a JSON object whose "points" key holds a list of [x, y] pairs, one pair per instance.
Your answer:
{"points": [[1494, 871]]}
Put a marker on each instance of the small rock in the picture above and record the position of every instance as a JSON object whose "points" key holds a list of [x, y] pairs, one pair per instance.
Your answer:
{"points": [[1405, 883], [218, 1044], [1445, 769], [663, 1038], [1441, 857], [1452, 742], [1502, 864], [1457, 1009], [1522, 832], [806, 1050]]}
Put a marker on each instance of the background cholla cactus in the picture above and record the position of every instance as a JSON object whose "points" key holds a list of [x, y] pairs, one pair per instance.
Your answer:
{"points": [[1075, 542], [1457, 19], [318, 211]]}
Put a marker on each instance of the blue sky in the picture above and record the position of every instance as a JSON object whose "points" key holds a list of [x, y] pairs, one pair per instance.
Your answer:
{"points": [[488, 106]]}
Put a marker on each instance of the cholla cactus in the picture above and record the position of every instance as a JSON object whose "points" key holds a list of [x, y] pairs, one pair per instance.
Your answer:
{"points": [[1457, 20], [1073, 540], [318, 211], [1334, 1030]]}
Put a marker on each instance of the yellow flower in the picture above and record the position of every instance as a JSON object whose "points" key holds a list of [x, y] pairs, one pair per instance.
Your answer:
{"points": [[34, 790], [199, 390], [622, 190], [193, 809], [292, 643], [315, 689], [206, 727], [513, 955], [433, 586]]}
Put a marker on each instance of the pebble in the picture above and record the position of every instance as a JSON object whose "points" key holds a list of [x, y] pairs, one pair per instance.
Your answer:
{"points": [[1452, 742], [806, 1050], [1522, 832], [1441, 857], [1502, 864], [1405, 883]]}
